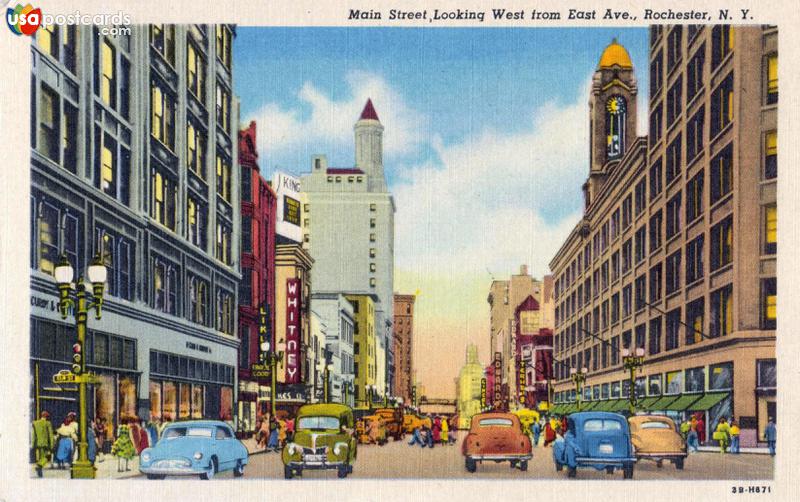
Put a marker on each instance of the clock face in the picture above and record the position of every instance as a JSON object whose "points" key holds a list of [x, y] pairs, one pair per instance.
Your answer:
{"points": [[615, 105]]}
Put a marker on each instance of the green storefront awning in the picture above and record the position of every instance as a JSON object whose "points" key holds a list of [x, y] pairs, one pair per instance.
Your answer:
{"points": [[708, 400], [591, 405], [620, 405], [605, 405], [662, 403], [682, 403], [647, 403], [555, 409]]}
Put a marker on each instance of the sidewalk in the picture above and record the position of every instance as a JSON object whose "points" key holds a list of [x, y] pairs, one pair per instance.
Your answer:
{"points": [[758, 451], [107, 469]]}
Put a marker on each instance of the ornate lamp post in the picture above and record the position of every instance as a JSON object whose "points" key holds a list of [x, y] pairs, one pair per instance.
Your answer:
{"points": [[386, 396], [271, 358], [74, 296], [550, 383], [578, 377], [632, 361]]}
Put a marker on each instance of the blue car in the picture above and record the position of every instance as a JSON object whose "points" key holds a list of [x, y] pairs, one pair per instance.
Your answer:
{"points": [[197, 447], [600, 440]]}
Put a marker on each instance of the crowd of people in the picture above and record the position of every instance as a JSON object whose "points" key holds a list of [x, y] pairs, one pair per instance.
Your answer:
{"points": [[726, 434], [437, 433], [274, 431]]}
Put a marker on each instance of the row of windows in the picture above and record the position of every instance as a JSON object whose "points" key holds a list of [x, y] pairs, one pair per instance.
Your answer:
{"points": [[54, 341], [350, 179], [162, 363]]}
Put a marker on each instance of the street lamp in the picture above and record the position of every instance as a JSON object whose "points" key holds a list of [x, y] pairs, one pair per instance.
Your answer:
{"points": [[271, 358], [550, 384], [75, 296], [632, 361], [578, 377], [386, 396]]}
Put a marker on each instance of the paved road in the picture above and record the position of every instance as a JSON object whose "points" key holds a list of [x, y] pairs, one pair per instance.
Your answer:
{"points": [[398, 460]]}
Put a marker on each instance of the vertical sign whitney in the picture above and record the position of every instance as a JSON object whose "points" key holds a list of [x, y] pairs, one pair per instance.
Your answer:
{"points": [[293, 330]]}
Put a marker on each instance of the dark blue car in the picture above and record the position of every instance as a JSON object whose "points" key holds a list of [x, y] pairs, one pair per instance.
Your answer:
{"points": [[595, 439]]}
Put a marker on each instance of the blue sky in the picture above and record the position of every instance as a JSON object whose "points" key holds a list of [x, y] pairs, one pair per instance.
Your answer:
{"points": [[485, 148]]}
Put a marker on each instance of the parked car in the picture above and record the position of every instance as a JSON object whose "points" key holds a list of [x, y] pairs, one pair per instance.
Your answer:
{"points": [[596, 439], [394, 421], [412, 421], [363, 427], [323, 440], [496, 437], [655, 437], [194, 447]]}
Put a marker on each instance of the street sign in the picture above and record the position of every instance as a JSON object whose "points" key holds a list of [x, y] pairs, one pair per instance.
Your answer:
{"points": [[65, 376]]}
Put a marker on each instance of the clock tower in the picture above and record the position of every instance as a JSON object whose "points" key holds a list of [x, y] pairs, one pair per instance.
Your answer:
{"points": [[612, 115]]}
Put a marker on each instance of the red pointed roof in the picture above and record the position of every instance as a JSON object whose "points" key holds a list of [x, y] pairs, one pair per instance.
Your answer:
{"points": [[369, 112]]}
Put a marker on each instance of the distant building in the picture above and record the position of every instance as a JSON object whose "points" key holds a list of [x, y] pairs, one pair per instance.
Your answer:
{"points": [[403, 345], [337, 313], [468, 402], [365, 349]]}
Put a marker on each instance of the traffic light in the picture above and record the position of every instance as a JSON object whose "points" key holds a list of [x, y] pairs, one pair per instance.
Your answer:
{"points": [[77, 357]]}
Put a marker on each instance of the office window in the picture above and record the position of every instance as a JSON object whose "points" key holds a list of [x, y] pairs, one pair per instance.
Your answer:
{"points": [[587, 294], [641, 335], [108, 79], [225, 312], [694, 197], [163, 199], [722, 106], [721, 174], [372, 237], [47, 39], [694, 321], [655, 179], [372, 267], [694, 135], [694, 260], [372, 252], [694, 73], [654, 385], [604, 275], [195, 150], [720, 376], [772, 79], [372, 282], [655, 283], [673, 216], [199, 300], [615, 266], [673, 322], [674, 46], [641, 196], [112, 166], [655, 231], [641, 292], [722, 311], [696, 379], [162, 38], [614, 352], [223, 108], [195, 72], [673, 272], [771, 155], [627, 203], [626, 301], [721, 43], [49, 123], [596, 283], [674, 101], [162, 118], [722, 243], [674, 159], [223, 178], [604, 315], [674, 382], [769, 303], [627, 256], [615, 228], [197, 222], [165, 287], [656, 124], [770, 229], [51, 241], [614, 308], [656, 73], [640, 240], [373, 207], [655, 336], [223, 45]]}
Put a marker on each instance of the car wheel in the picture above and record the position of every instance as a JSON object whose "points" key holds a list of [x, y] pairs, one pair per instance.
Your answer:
{"points": [[523, 466], [679, 464], [238, 471], [573, 472], [559, 467], [341, 472], [212, 469], [609, 470], [156, 476], [628, 471], [471, 465], [287, 472]]}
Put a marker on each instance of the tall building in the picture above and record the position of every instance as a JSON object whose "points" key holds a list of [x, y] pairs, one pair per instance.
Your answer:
{"points": [[133, 151], [365, 341], [468, 402], [676, 251], [257, 287], [403, 345], [533, 352], [348, 221], [338, 313]]}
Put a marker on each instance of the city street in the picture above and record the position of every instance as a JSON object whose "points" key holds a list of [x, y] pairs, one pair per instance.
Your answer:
{"points": [[398, 460]]}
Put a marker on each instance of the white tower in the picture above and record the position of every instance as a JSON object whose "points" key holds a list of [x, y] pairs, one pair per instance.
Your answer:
{"points": [[369, 147]]}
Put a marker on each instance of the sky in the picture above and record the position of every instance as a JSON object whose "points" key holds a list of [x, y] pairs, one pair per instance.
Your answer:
{"points": [[485, 148]]}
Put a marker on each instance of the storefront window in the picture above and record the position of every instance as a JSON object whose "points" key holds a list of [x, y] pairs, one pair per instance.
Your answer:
{"points": [[641, 386], [767, 374], [127, 397], [695, 379], [615, 390], [674, 382], [198, 395], [604, 390], [155, 401], [105, 401], [654, 385], [170, 401], [184, 403], [720, 376], [626, 388], [226, 403]]}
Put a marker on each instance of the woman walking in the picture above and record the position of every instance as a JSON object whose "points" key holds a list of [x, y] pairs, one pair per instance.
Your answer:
{"points": [[67, 436]]}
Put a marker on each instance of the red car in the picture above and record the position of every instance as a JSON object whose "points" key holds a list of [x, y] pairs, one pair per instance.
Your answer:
{"points": [[496, 437]]}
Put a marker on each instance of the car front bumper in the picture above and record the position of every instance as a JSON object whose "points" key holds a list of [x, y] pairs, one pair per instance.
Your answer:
{"points": [[500, 457], [316, 465], [665, 454], [620, 461], [172, 470]]}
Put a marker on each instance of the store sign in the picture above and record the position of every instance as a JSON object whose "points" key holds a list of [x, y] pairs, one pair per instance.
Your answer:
{"points": [[291, 210], [288, 215], [483, 393], [292, 393], [498, 380], [414, 395], [293, 291], [522, 382]]}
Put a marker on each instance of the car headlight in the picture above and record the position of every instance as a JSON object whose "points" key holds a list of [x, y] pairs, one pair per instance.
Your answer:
{"points": [[198, 455], [145, 456], [338, 448], [292, 448]]}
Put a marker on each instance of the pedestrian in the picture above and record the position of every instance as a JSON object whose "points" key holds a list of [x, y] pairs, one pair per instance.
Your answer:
{"points": [[734, 436], [701, 429], [67, 436], [537, 430], [437, 430], [685, 425], [99, 429], [722, 434], [416, 438], [445, 432], [549, 433], [123, 447], [281, 432], [290, 429], [91, 445], [272, 443], [770, 434], [42, 441], [427, 436], [692, 439], [262, 436]]}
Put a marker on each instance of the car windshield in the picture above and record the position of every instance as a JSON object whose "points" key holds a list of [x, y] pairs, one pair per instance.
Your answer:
{"points": [[654, 425], [596, 424], [318, 423], [495, 422], [179, 432]]}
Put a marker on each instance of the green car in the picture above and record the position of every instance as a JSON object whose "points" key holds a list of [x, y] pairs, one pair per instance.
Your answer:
{"points": [[323, 439]]}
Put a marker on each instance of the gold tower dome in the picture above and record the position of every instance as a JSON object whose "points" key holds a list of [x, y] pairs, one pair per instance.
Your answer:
{"points": [[615, 55]]}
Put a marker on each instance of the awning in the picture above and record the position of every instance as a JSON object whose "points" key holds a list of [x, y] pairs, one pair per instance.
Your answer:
{"points": [[708, 401], [682, 403], [570, 408], [589, 406], [620, 405], [662, 402], [555, 409], [647, 402], [605, 405]]}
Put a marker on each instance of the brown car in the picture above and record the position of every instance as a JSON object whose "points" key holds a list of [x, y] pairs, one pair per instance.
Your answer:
{"points": [[655, 438], [496, 437], [394, 421]]}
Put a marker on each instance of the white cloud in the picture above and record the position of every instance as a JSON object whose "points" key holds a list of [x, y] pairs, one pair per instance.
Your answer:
{"points": [[328, 126]]}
